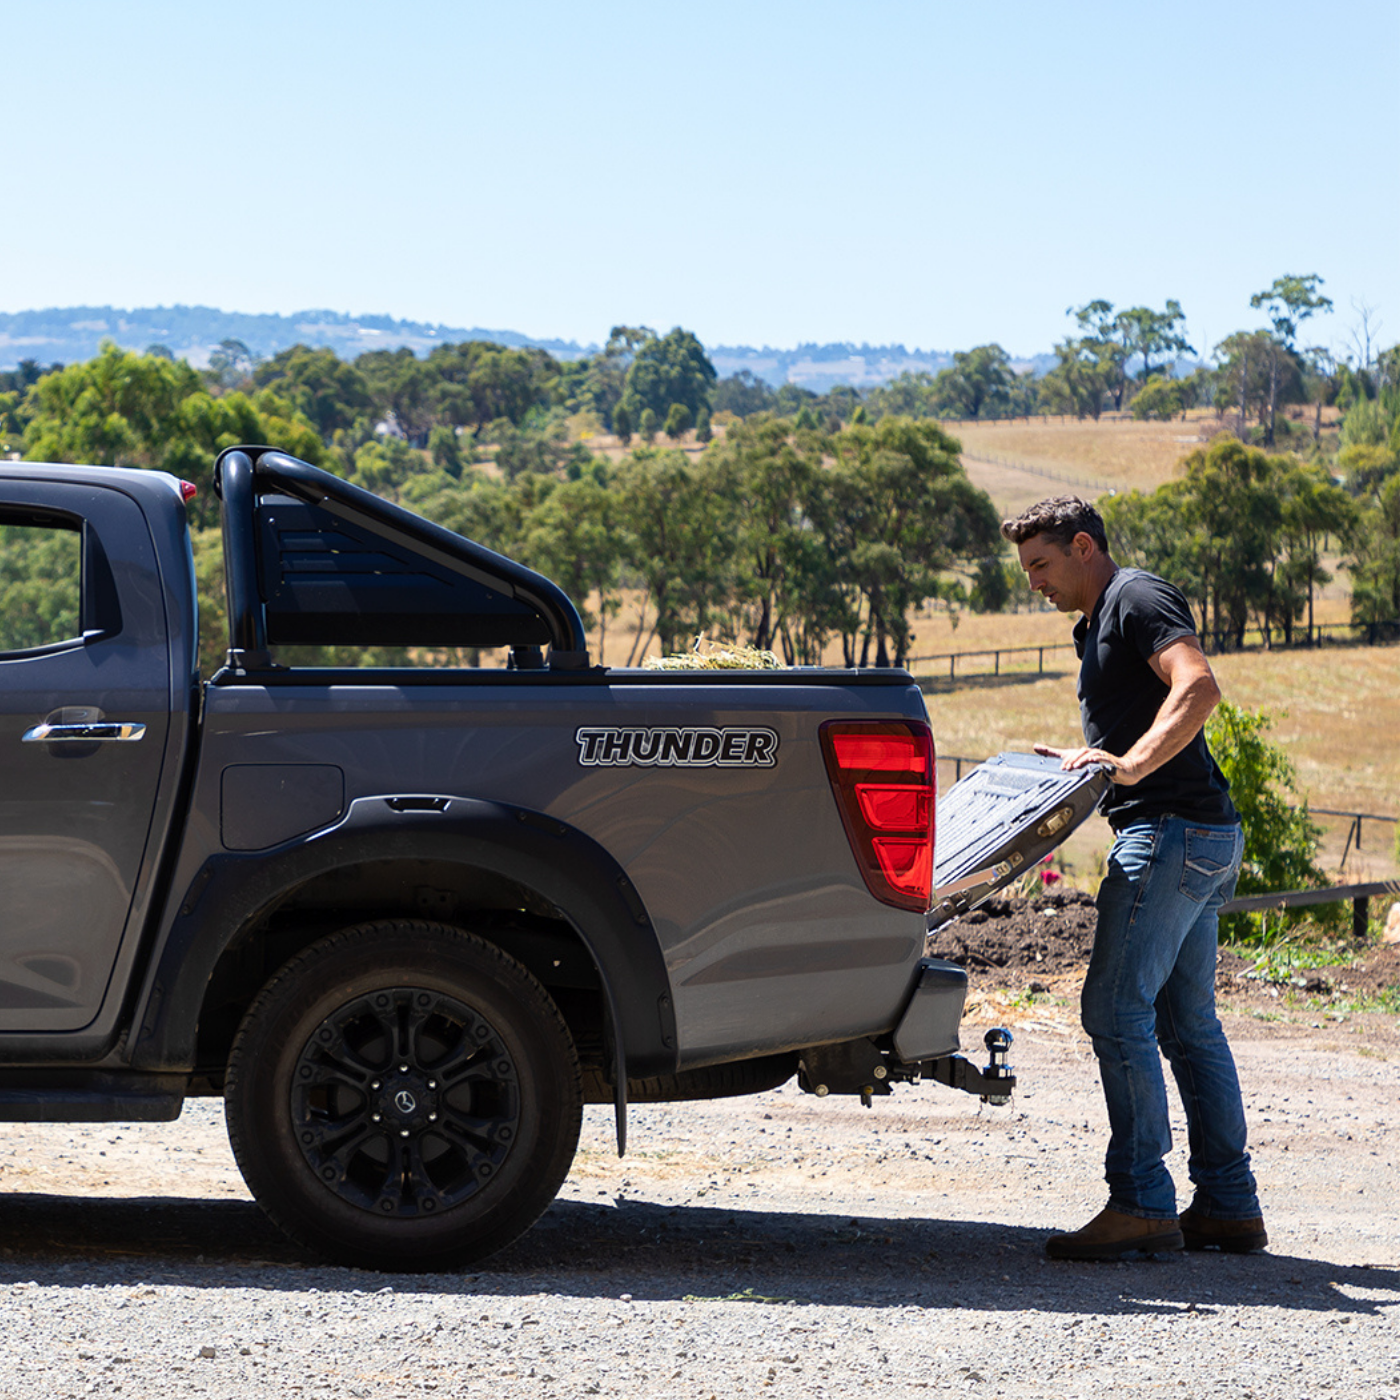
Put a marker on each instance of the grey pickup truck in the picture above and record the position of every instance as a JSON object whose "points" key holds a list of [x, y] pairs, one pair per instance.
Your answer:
{"points": [[407, 921]]}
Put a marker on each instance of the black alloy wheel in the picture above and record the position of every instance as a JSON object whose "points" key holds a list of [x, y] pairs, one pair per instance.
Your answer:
{"points": [[403, 1095]]}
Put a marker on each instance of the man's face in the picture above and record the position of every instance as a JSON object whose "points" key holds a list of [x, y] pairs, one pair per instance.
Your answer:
{"points": [[1058, 572]]}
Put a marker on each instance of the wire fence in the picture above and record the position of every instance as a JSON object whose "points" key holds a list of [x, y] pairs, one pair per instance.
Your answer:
{"points": [[1318, 635], [1355, 820], [996, 653], [994, 460]]}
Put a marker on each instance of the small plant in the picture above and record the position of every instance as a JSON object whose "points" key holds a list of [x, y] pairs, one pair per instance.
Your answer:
{"points": [[1280, 838]]}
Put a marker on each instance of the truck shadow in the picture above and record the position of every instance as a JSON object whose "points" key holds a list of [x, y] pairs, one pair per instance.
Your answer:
{"points": [[678, 1253]]}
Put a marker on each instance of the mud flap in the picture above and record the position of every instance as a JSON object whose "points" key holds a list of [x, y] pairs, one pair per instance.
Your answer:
{"points": [[1006, 815]]}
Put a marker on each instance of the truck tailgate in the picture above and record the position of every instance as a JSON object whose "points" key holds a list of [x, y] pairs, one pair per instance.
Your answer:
{"points": [[1002, 818]]}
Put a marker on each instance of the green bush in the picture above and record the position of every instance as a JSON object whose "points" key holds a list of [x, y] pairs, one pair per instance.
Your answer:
{"points": [[1280, 838]]}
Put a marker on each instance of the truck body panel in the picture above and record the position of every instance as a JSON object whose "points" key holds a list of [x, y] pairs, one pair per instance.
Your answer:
{"points": [[408, 919]]}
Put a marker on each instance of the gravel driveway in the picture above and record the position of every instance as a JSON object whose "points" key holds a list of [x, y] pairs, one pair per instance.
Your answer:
{"points": [[775, 1245]]}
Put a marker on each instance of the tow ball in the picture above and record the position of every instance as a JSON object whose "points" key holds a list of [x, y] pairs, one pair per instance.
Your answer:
{"points": [[993, 1083], [998, 1070]]}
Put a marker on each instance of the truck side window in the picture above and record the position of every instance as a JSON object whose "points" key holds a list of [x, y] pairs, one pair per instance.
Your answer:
{"points": [[40, 583]]}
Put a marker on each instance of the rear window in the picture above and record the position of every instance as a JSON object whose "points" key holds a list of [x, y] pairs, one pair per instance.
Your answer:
{"points": [[41, 584]]}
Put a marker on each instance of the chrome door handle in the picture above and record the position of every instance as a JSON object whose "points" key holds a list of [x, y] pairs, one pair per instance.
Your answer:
{"points": [[84, 733]]}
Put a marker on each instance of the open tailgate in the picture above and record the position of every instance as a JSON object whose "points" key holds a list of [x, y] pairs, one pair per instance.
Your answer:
{"points": [[1004, 816]]}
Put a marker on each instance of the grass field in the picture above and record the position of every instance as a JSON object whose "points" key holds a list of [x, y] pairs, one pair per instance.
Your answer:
{"points": [[1084, 457], [1336, 715]]}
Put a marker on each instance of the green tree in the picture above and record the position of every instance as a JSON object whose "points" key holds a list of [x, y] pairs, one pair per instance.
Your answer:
{"points": [[1255, 370], [445, 449], [329, 392], [574, 536], [1078, 382], [231, 365], [1289, 301], [673, 369], [478, 382], [1152, 335], [596, 382], [541, 448], [678, 421], [1315, 511], [779, 573], [1113, 339], [703, 431], [897, 513], [1375, 561], [979, 384], [386, 466], [129, 410], [622, 423], [679, 544], [1280, 838], [743, 394], [402, 388], [1158, 398], [40, 585], [646, 425]]}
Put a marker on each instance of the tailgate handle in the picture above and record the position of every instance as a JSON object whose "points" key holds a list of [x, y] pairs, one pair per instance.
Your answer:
{"points": [[105, 732]]}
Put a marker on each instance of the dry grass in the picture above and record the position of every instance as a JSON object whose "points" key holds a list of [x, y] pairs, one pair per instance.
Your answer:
{"points": [[1120, 451], [1337, 716]]}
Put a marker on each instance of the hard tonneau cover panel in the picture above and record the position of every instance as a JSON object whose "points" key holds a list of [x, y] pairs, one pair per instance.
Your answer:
{"points": [[998, 821]]}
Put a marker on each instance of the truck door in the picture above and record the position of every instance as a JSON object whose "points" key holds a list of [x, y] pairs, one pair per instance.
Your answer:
{"points": [[84, 709]]}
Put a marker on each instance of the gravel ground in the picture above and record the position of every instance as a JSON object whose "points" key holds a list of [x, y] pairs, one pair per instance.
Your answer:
{"points": [[777, 1245]]}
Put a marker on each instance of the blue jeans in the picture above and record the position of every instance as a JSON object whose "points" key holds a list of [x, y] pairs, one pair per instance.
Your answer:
{"points": [[1151, 982]]}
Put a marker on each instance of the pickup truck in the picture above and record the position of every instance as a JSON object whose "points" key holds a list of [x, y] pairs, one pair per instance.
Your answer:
{"points": [[407, 921]]}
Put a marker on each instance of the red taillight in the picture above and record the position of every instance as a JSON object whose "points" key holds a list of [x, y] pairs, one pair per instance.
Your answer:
{"points": [[888, 808], [188, 490], [882, 772], [886, 753]]}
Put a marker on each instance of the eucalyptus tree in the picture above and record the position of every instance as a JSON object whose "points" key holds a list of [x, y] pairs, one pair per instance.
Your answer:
{"points": [[897, 513]]}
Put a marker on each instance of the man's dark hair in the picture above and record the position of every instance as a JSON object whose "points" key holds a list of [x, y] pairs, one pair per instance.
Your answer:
{"points": [[1059, 519]]}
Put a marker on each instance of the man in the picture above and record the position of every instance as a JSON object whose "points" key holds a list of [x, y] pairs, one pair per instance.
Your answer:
{"points": [[1145, 690]]}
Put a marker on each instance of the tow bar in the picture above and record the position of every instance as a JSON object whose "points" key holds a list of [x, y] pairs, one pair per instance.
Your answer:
{"points": [[862, 1067]]}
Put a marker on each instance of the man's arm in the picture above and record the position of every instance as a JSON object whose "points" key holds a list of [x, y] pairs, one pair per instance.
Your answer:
{"points": [[1191, 695]]}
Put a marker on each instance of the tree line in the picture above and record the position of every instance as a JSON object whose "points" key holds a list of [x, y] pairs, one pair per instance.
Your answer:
{"points": [[806, 518]]}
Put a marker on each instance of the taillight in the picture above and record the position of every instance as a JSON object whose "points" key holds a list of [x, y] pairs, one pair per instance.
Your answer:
{"points": [[188, 490], [882, 773]]}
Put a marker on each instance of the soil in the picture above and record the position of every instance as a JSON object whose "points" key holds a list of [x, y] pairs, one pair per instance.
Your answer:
{"points": [[1042, 946]]}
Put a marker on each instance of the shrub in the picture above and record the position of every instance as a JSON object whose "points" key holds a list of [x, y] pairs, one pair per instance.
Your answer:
{"points": [[1280, 838]]}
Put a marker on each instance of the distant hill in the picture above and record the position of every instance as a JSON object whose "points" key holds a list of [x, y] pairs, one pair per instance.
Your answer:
{"points": [[193, 332], [66, 334]]}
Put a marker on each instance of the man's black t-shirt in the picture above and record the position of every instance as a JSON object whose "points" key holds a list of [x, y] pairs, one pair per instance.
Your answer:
{"points": [[1119, 696]]}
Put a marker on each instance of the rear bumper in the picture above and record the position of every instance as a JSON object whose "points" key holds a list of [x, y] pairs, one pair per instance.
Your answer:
{"points": [[928, 1030]]}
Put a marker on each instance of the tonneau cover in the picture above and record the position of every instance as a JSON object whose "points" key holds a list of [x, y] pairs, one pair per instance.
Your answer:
{"points": [[1004, 816]]}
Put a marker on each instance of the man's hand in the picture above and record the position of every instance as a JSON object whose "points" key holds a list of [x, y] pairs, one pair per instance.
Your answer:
{"points": [[1119, 769]]}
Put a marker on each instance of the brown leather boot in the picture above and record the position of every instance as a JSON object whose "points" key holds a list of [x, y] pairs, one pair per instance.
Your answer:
{"points": [[1232, 1236], [1111, 1235]]}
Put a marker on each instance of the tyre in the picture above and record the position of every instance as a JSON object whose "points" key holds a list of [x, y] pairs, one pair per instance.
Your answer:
{"points": [[403, 1095]]}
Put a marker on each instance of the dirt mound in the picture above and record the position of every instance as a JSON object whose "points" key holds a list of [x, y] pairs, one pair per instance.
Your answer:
{"points": [[1026, 945], [1015, 943]]}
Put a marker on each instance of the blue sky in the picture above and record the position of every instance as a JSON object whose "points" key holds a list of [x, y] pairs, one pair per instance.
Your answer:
{"points": [[761, 172]]}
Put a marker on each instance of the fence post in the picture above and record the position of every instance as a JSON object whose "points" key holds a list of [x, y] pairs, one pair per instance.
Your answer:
{"points": [[1042, 661], [1360, 917]]}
